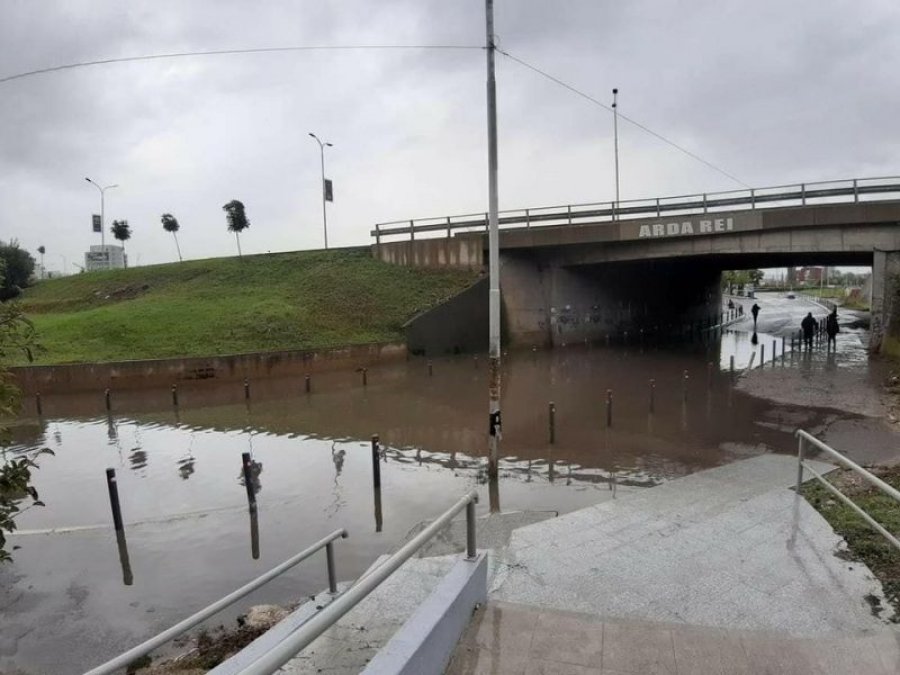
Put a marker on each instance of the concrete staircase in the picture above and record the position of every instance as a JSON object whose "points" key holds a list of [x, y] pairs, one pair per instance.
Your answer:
{"points": [[731, 547]]}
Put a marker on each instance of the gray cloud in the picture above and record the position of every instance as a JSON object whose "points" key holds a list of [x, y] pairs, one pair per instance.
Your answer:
{"points": [[772, 92]]}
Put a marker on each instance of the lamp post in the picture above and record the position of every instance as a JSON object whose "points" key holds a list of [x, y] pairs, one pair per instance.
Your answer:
{"points": [[322, 145], [102, 211], [616, 141]]}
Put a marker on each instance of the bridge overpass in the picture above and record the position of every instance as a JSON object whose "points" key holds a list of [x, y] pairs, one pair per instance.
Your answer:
{"points": [[578, 272]]}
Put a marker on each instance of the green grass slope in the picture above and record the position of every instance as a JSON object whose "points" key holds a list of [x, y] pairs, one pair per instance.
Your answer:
{"points": [[302, 300]]}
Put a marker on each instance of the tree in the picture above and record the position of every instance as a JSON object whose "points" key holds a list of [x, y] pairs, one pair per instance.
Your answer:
{"points": [[170, 224], [237, 220], [42, 251], [121, 231], [16, 336], [18, 265]]}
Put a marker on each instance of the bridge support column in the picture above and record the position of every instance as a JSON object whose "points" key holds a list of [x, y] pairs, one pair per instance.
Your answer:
{"points": [[885, 329]]}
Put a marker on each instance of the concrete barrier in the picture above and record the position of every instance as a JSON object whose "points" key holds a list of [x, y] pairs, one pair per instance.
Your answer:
{"points": [[119, 375]]}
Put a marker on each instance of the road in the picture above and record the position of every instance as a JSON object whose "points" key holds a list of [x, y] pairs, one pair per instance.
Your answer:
{"points": [[778, 316]]}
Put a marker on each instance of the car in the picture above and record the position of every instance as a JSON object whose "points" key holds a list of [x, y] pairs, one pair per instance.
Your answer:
{"points": [[791, 296]]}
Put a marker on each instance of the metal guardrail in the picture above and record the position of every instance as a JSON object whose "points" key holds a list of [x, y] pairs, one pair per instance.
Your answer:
{"points": [[124, 659], [804, 438], [309, 631], [839, 191]]}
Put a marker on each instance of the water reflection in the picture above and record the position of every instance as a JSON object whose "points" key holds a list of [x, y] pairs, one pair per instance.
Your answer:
{"points": [[124, 561], [254, 532]]}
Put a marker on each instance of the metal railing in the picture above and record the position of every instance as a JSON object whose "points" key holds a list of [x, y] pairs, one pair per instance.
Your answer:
{"points": [[124, 659], [802, 194], [804, 438], [309, 631]]}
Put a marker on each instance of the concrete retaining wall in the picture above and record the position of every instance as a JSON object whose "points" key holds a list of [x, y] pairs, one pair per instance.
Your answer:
{"points": [[465, 252], [164, 372], [458, 325]]}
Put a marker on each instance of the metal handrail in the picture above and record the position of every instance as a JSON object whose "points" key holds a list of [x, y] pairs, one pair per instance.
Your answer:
{"points": [[309, 631], [124, 659], [798, 192], [803, 438]]}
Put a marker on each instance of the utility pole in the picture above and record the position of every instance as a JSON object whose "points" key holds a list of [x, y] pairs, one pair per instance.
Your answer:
{"points": [[324, 192], [102, 213], [493, 252], [616, 141]]}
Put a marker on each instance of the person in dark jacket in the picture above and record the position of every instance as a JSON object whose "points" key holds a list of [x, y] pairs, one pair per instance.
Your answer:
{"points": [[832, 328], [809, 326]]}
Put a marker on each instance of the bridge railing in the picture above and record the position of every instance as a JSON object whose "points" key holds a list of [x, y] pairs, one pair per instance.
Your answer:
{"points": [[800, 194]]}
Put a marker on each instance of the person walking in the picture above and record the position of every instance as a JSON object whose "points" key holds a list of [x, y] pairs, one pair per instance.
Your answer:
{"points": [[809, 326], [755, 312], [832, 329]]}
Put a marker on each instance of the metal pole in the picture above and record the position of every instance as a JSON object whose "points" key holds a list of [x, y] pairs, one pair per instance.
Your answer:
{"points": [[329, 557], [103, 221], [471, 551], [114, 500], [552, 410], [324, 211], [493, 250], [376, 465], [247, 465], [800, 442], [609, 403], [616, 141]]}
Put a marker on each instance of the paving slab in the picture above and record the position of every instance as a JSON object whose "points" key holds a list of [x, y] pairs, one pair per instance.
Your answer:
{"points": [[732, 547], [509, 638]]}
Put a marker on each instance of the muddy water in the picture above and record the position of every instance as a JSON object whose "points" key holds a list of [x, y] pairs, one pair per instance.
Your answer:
{"points": [[73, 597]]}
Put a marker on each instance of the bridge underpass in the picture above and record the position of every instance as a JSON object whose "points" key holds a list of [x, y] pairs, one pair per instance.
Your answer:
{"points": [[568, 274]]}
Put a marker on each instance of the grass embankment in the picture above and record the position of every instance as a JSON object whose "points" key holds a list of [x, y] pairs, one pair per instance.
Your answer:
{"points": [[303, 300], [863, 542]]}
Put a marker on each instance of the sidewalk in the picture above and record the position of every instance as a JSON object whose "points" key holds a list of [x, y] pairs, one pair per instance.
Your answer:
{"points": [[507, 639]]}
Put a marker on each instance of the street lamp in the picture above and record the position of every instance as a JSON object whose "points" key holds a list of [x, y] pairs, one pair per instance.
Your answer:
{"points": [[616, 137], [324, 213], [102, 210]]}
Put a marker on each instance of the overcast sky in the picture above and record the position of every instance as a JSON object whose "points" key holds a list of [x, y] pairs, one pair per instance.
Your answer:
{"points": [[770, 91]]}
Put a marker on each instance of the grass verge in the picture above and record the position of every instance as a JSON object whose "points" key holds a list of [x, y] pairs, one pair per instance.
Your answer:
{"points": [[301, 300], [864, 544]]}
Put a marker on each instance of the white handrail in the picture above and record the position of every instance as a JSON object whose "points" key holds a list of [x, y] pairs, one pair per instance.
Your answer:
{"points": [[805, 437], [124, 659], [309, 631]]}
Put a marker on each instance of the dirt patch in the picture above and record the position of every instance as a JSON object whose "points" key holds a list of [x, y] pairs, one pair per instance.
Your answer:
{"points": [[127, 292], [210, 647], [864, 543]]}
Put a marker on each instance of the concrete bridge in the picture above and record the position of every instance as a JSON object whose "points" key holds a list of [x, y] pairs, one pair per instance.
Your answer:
{"points": [[584, 271]]}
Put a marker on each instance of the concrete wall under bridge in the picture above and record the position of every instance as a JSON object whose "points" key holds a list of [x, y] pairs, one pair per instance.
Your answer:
{"points": [[582, 281]]}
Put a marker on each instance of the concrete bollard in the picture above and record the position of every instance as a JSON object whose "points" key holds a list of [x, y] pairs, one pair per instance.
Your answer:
{"points": [[38, 404], [552, 419], [114, 500], [609, 402], [652, 395], [307, 383], [247, 466], [376, 465], [175, 395], [684, 387], [246, 389], [108, 402]]}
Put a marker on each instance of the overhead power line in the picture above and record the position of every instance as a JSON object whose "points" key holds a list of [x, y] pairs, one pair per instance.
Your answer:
{"points": [[222, 52], [621, 116]]}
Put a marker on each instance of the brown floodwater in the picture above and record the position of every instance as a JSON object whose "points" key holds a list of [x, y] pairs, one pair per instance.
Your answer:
{"points": [[73, 597]]}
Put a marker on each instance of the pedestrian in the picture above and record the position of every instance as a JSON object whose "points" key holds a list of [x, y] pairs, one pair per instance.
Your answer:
{"points": [[832, 328], [809, 326], [755, 311]]}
